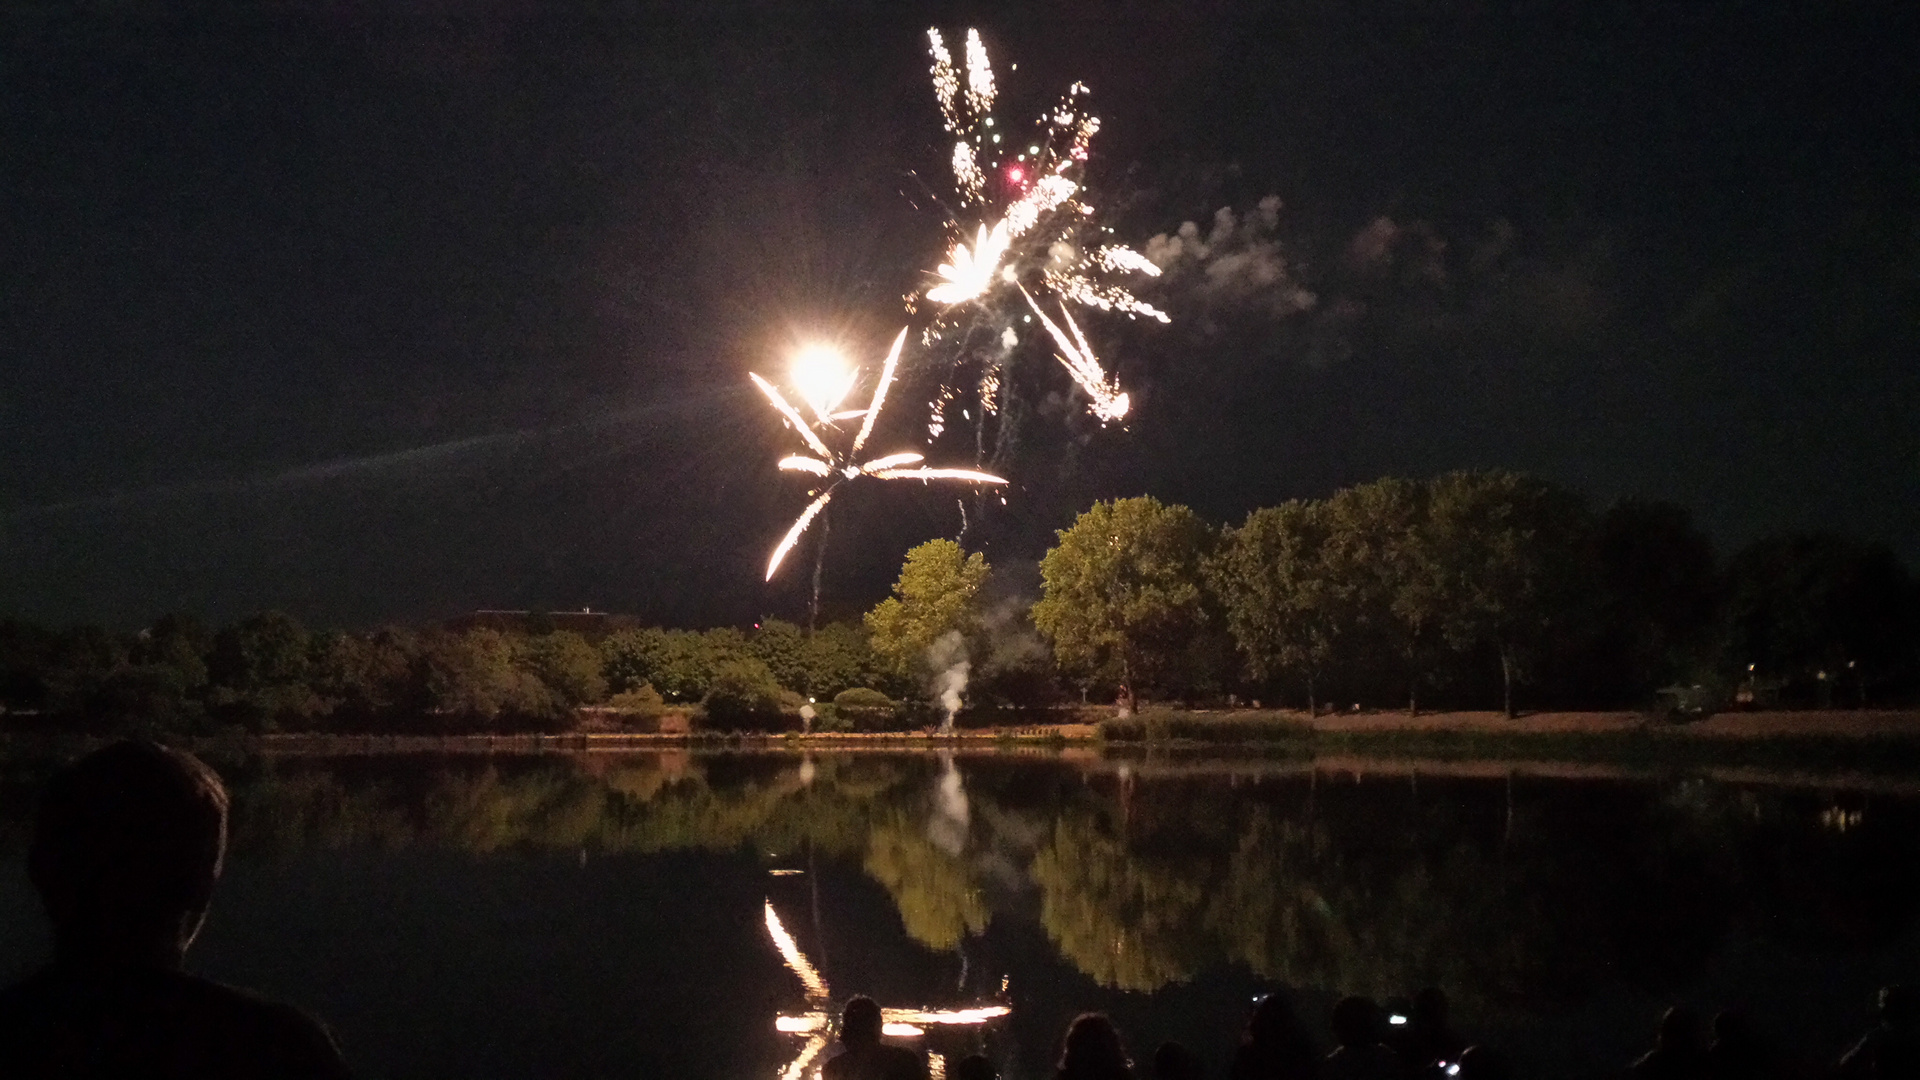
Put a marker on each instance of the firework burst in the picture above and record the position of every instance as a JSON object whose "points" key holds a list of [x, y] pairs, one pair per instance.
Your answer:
{"points": [[1022, 224], [823, 389]]}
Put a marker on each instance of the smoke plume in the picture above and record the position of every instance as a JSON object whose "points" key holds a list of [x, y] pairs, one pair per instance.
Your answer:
{"points": [[947, 656]]}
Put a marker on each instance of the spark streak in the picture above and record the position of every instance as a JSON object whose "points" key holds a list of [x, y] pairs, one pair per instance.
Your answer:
{"points": [[794, 419], [799, 526], [1109, 404], [839, 468], [795, 959], [968, 273]]}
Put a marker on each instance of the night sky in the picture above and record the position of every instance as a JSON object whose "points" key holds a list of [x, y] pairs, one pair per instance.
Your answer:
{"points": [[389, 310]]}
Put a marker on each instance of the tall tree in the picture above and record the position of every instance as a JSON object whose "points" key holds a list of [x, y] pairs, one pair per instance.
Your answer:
{"points": [[1660, 591], [1122, 591], [936, 594], [1820, 610], [1510, 559], [1377, 551], [1283, 605]]}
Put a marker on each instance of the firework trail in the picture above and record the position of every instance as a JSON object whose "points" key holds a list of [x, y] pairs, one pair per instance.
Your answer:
{"points": [[1032, 231], [1077, 357], [838, 468]]}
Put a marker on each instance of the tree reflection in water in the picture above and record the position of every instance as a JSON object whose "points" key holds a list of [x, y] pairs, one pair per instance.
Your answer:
{"points": [[1502, 892]]}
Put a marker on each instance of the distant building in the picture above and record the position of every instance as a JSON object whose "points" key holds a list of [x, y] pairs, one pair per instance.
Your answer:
{"points": [[588, 623]]}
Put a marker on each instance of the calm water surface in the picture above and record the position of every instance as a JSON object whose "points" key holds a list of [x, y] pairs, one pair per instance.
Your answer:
{"points": [[607, 914]]}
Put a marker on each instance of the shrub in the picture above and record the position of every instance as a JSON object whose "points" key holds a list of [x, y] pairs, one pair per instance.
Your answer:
{"points": [[865, 710], [743, 696], [641, 703]]}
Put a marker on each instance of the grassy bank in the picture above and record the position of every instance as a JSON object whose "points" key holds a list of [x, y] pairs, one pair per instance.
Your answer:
{"points": [[1615, 739]]}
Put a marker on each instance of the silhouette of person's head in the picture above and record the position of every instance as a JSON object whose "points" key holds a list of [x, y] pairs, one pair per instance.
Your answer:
{"points": [[1484, 1063], [1173, 1061], [860, 1022], [1679, 1030], [126, 849], [1356, 1022], [1732, 1031], [1093, 1048], [1273, 1021], [974, 1067], [1899, 1007], [1430, 1008]]}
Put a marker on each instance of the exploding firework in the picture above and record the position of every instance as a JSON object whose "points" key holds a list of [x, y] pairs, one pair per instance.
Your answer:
{"points": [[1023, 224], [823, 388]]}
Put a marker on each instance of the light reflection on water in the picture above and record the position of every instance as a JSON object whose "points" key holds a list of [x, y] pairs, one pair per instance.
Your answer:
{"points": [[440, 911]]}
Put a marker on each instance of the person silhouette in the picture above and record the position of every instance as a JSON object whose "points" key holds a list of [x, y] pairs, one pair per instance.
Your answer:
{"points": [[1737, 1051], [127, 847], [865, 1057], [1275, 1045], [1677, 1053], [1092, 1050], [974, 1067], [1427, 1038], [1173, 1061], [1892, 1048], [1361, 1055]]}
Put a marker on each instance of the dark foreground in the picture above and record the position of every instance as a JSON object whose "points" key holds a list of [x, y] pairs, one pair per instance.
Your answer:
{"points": [[608, 914]]}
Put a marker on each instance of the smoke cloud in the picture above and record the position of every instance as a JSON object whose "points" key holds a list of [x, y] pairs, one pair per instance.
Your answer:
{"points": [[947, 656], [1236, 267]]}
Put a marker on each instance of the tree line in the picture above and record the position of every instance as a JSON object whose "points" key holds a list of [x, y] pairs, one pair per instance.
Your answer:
{"points": [[1473, 589], [267, 672]]}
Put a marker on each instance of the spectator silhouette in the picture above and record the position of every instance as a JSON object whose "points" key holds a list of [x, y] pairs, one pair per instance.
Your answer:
{"points": [[974, 1067], [1173, 1061], [1275, 1045], [1092, 1050], [1676, 1053], [865, 1056], [126, 850], [1892, 1048], [1361, 1055], [1737, 1052], [1484, 1063], [1427, 1038]]}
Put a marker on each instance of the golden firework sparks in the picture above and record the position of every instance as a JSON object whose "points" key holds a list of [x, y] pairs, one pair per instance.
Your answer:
{"points": [[835, 468]]}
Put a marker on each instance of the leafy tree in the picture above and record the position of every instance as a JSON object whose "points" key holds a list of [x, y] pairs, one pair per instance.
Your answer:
{"points": [[475, 679], [26, 658], [1805, 606], [179, 643], [782, 646], [1284, 607], [268, 649], [743, 696], [382, 675], [1121, 591], [259, 670], [1378, 555], [935, 596], [79, 664], [1508, 553], [1660, 591], [838, 657], [567, 665], [627, 658], [679, 664]]}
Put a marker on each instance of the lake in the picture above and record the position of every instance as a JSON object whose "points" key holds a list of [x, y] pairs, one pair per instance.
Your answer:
{"points": [[619, 914]]}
